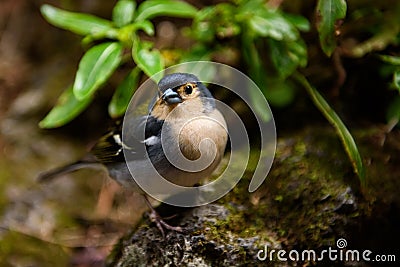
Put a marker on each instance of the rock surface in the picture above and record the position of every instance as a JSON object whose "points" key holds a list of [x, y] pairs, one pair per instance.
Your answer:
{"points": [[311, 200]]}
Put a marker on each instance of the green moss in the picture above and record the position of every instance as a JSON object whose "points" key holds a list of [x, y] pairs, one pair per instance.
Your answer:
{"points": [[30, 251], [306, 170], [5, 177], [310, 199]]}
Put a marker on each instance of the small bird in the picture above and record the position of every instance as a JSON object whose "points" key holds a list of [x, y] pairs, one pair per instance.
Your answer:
{"points": [[185, 112]]}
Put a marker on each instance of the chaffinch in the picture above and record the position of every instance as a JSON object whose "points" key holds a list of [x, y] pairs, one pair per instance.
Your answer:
{"points": [[185, 112]]}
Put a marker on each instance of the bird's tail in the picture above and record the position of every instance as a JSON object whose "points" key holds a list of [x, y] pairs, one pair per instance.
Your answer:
{"points": [[77, 165]]}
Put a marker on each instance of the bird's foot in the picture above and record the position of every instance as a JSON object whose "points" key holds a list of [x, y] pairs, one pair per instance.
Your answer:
{"points": [[160, 223]]}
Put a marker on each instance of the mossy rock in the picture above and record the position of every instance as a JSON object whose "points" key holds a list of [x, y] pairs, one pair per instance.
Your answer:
{"points": [[310, 200]]}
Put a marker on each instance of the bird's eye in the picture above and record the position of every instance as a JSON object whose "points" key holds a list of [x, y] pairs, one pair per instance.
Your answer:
{"points": [[188, 89]]}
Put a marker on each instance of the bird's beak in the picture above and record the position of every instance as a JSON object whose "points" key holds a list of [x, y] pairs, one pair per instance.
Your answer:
{"points": [[171, 97]]}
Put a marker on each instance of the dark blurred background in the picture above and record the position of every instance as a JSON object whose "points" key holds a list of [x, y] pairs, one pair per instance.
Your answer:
{"points": [[78, 218]]}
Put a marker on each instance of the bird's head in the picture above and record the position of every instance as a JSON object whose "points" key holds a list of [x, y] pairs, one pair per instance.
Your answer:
{"points": [[182, 90]]}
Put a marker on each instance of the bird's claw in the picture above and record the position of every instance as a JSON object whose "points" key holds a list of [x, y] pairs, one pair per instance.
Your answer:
{"points": [[160, 223]]}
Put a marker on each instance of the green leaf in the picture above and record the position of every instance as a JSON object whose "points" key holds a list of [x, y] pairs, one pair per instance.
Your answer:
{"points": [[259, 106], [67, 108], [146, 26], [196, 53], [153, 8], [257, 72], [95, 67], [202, 27], [279, 93], [390, 59], [123, 12], [78, 23], [252, 59], [396, 80], [123, 94], [299, 22], [344, 134], [127, 33], [393, 111], [149, 61], [329, 13], [272, 24], [287, 56]]}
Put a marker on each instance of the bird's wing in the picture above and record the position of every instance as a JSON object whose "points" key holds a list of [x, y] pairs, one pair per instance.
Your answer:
{"points": [[110, 147]]}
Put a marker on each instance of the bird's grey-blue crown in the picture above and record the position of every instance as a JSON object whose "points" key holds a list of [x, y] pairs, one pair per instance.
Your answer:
{"points": [[176, 79]]}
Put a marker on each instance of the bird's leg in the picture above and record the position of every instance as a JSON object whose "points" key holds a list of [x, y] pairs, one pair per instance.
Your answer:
{"points": [[156, 218]]}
